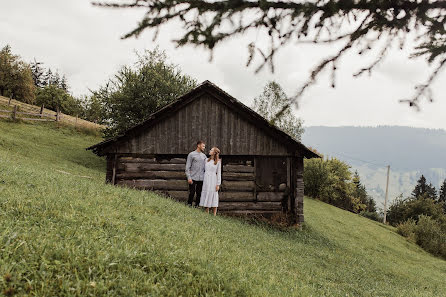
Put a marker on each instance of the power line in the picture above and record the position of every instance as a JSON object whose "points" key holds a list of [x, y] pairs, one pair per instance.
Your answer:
{"points": [[357, 159]]}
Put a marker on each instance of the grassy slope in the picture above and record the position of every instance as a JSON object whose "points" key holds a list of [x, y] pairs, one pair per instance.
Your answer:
{"points": [[65, 234], [24, 107]]}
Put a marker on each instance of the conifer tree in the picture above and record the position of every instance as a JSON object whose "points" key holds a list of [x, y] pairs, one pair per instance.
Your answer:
{"points": [[64, 84], [442, 195], [424, 190], [37, 73], [48, 77]]}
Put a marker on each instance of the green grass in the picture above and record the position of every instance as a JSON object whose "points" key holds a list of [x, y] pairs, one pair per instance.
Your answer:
{"points": [[70, 234]]}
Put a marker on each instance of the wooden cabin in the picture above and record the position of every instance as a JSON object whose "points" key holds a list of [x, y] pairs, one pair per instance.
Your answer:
{"points": [[262, 172]]}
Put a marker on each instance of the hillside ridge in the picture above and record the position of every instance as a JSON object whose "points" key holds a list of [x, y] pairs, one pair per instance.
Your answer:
{"points": [[71, 120]]}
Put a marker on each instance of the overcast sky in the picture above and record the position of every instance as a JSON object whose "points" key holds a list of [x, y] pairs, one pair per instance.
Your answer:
{"points": [[84, 43]]}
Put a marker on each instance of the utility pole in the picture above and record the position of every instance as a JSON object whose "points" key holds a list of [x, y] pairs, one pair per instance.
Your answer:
{"points": [[387, 192]]}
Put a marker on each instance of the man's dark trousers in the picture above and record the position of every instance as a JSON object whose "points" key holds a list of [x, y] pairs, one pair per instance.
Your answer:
{"points": [[195, 187]]}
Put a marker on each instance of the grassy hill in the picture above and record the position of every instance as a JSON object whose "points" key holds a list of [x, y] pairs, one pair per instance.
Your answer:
{"points": [[7, 104], [64, 232]]}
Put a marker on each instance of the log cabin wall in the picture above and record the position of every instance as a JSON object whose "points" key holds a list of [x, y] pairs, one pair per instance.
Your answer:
{"points": [[242, 190]]}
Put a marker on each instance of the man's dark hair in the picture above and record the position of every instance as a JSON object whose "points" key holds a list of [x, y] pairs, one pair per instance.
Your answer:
{"points": [[200, 142]]}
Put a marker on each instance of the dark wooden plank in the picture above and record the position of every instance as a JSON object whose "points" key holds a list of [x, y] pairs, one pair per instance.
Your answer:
{"points": [[260, 143], [231, 136], [128, 159], [270, 196], [166, 135], [181, 125], [238, 168], [250, 206], [139, 167], [238, 185], [152, 175], [213, 124], [236, 196], [250, 212], [243, 176], [225, 130], [172, 161], [156, 184], [209, 121]]}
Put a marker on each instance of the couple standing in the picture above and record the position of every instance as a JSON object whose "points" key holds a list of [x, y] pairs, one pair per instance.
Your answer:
{"points": [[204, 177]]}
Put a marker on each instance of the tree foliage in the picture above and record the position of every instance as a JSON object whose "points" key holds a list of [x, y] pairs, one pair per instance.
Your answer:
{"points": [[424, 190], [423, 201], [442, 193], [421, 218], [366, 27], [272, 100], [44, 78], [429, 233], [331, 181], [15, 77], [135, 92], [53, 97]]}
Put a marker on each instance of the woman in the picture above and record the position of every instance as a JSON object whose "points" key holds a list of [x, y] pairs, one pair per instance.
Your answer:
{"points": [[212, 181]]}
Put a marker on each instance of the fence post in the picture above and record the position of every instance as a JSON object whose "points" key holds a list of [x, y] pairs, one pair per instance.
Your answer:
{"points": [[57, 114], [14, 112], [9, 102], [41, 110]]}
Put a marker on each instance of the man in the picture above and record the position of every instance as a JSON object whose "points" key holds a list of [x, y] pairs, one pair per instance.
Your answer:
{"points": [[195, 172]]}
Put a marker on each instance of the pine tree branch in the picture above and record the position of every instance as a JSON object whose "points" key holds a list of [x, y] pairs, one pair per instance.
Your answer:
{"points": [[208, 23]]}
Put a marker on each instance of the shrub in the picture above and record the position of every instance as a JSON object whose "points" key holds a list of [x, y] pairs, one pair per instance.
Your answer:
{"points": [[372, 216], [431, 235], [407, 229], [428, 233], [412, 208]]}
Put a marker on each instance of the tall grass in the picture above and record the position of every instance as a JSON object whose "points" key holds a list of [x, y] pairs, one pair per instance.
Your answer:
{"points": [[64, 232]]}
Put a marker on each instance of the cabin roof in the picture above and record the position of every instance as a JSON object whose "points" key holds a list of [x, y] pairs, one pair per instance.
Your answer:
{"points": [[231, 101]]}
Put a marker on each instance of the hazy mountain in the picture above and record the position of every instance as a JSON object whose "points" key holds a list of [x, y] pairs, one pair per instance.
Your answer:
{"points": [[410, 152]]}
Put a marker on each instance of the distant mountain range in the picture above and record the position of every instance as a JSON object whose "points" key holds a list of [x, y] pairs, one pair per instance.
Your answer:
{"points": [[409, 151]]}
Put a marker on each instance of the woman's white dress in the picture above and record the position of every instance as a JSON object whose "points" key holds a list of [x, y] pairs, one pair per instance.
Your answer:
{"points": [[212, 178]]}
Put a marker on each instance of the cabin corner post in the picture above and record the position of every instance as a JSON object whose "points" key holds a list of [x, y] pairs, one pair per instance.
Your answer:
{"points": [[112, 163], [298, 203], [109, 170]]}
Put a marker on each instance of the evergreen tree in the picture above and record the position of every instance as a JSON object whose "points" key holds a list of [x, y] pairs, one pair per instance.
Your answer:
{"points": [[424, 190], [38, 74], [364, 27], [442, 195], [15, 77], [361, 193], [55, 79], [48, 77], [64, 84], [273, 101]]}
